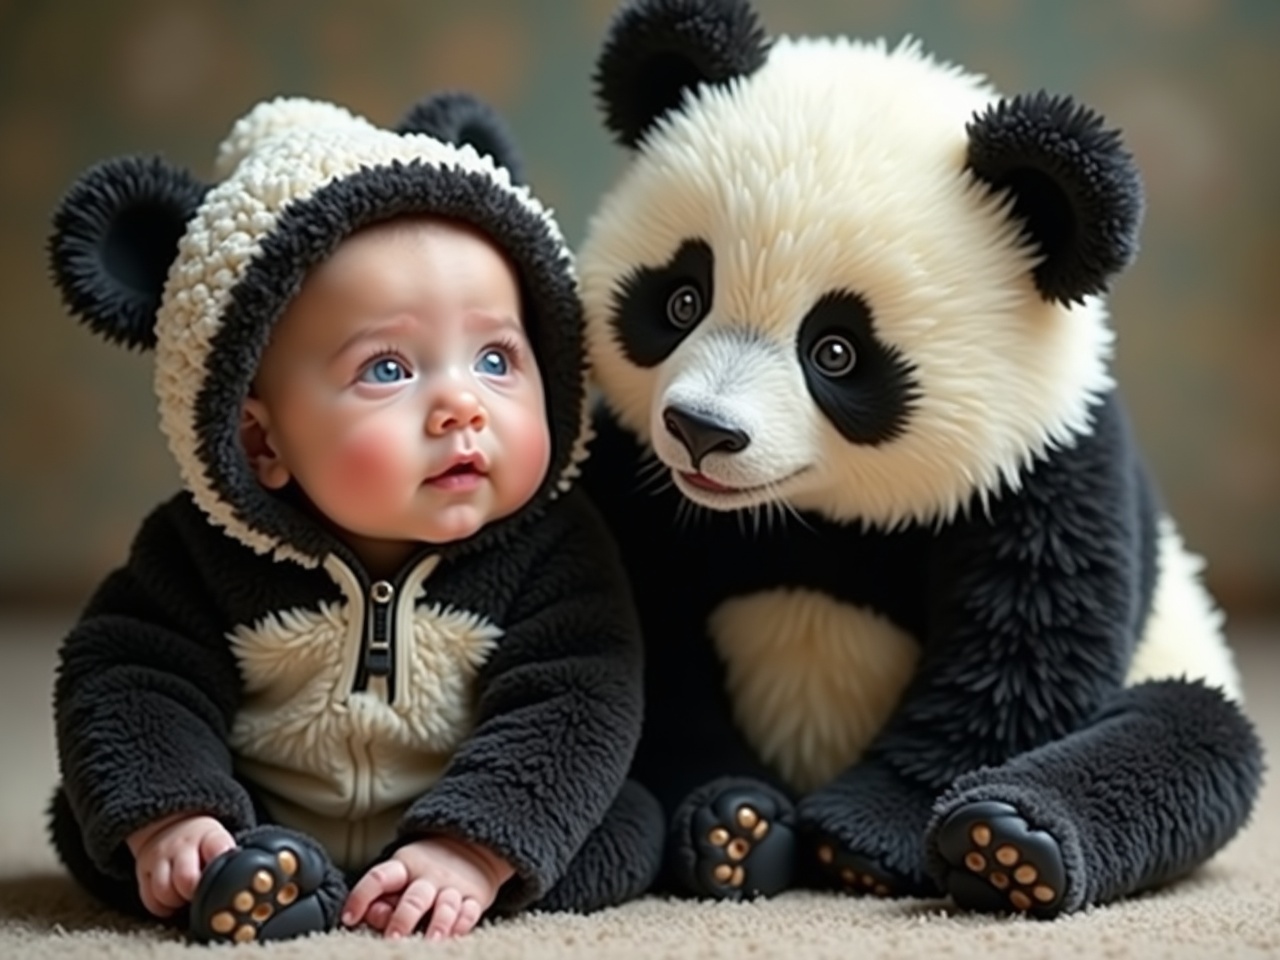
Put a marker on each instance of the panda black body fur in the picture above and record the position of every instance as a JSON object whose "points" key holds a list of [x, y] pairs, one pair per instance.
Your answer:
{"points": [[916, 620]]}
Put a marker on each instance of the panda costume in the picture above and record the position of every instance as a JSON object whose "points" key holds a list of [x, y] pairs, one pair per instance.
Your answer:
{"points": [[244, 663], [917, 622]]}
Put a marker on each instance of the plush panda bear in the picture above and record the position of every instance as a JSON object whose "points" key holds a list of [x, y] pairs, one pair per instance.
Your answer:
{"points": [[917, 621]]}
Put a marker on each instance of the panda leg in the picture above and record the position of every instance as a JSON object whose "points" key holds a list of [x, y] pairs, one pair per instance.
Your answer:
{"points": [[1156, 786], [731, 839], [619, 860], [864, 832], [729, 833]]}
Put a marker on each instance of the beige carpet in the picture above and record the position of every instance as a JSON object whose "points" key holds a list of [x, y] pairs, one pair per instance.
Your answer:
{"points": [[1231, 908]]}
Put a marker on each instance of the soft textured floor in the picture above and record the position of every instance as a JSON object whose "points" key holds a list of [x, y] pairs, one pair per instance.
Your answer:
{"points": [[1230, 908]]}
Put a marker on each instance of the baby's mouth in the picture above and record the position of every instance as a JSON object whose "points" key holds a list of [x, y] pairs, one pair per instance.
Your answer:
{"points": [[463, 474]]}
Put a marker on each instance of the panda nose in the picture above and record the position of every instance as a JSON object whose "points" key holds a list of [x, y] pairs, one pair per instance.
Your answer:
{"points": [[701, 434]]}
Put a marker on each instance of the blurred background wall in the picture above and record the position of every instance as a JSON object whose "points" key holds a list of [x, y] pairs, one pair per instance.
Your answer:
{"points": [[1193, 83]]}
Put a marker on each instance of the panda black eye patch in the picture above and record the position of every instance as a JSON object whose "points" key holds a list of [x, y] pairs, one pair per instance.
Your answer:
{"points": [[654, 308], [863, 386]]}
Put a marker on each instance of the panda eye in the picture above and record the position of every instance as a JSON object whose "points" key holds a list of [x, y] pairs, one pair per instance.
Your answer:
{"points": [[834, 355], [684, 306]]}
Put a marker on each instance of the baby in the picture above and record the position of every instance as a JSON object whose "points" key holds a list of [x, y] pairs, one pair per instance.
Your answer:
{"points": [[377, 664]]}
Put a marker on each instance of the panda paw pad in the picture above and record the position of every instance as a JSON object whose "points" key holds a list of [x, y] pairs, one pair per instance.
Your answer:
{"points": [[999, 863], [257, 893], [741, 849], [855, 873]]}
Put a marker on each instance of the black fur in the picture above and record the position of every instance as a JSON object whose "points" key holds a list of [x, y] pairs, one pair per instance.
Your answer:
{"points": [[461, 118], [658, 50], [115, 233], [643, 303], [1073, 184]]}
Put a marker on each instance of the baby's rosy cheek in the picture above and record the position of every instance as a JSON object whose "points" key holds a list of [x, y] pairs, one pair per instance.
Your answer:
{"points": [[365, 458], [530, 447]]}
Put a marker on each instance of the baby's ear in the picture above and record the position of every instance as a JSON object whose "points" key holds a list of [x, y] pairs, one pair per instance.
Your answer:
{"points": [[462, 118], [255, 438], [115, 234]]}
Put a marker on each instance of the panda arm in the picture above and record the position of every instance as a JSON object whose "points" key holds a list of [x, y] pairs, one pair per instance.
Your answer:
{"points": [[1034, 611]]}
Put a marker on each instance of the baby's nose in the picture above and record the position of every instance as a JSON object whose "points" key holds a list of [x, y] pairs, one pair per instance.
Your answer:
{"points": [[456, 410]]}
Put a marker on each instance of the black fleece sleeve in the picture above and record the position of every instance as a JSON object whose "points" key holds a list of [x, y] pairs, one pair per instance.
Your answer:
{"points": [[145, 689], [559, 713]]}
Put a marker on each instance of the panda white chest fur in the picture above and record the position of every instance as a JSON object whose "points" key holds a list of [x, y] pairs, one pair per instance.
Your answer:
{"points": [[832, 303]]}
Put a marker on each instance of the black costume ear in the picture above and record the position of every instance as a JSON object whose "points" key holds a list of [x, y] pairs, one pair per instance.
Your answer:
{"points": [[460, 118], [655, 50], [115, 234], [1074, 186]]}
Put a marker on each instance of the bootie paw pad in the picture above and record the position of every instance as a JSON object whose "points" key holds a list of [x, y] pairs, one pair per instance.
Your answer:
{"points": [[741, 847], [855, 873], [258, 893], [1000, 863]]}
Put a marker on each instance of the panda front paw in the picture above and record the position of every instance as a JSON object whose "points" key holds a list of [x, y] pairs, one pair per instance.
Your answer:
{"points": [[1000, 863], [736, 843]]}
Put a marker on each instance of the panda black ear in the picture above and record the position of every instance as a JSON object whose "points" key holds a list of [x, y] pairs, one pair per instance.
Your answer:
{"points": [[461, 118], [1074, 186], [115, 234], [655, 50]]}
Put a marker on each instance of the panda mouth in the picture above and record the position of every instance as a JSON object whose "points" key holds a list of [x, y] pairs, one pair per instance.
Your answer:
{"points": [[702, 482]]}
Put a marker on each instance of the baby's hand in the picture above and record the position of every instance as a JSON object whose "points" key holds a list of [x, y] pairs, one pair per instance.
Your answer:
{"points": [[455, 881], [170, 855]]}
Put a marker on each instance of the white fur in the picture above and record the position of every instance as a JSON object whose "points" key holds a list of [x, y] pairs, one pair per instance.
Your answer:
{"points": [[811, 679], [840, 165], [1184, 635]]}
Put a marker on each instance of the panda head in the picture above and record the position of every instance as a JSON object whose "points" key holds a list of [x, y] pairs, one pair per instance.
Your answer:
{"points": [[842, 276]]}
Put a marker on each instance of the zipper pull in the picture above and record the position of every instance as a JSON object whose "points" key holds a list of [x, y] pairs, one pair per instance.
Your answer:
{"points": [[377, 657]]}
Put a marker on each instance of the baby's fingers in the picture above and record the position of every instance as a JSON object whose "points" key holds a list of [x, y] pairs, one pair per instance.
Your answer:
{"points": [[185, 872], [417, 899], [385, 877], [213, 844], [468, 917], [148, 898], [156, 890], [379, 913], [448, 906]]}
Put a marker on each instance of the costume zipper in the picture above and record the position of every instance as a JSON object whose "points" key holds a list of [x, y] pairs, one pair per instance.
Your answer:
{"points": [[379, 633], [382, 600]]}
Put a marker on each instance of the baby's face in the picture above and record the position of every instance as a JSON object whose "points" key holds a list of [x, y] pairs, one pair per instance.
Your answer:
{"points": [[400, 390]]}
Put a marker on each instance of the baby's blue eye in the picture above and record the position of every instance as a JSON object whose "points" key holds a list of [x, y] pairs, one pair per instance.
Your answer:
{"points": [[493, 363], [386, 370]]}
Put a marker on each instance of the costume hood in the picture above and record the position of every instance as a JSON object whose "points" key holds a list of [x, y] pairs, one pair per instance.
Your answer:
{"points": [[151, 258]]}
